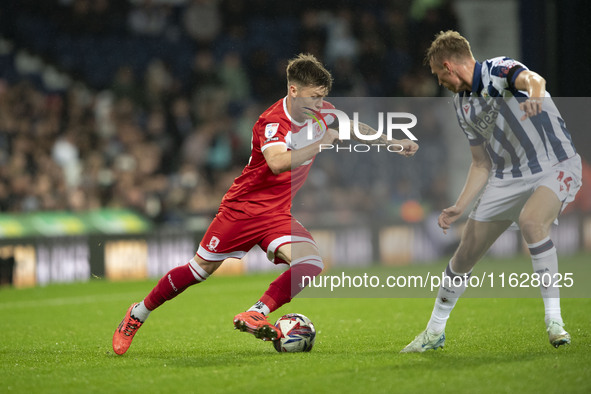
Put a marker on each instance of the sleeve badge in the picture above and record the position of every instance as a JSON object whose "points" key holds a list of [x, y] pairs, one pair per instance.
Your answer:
{"points": [[271, 130]]}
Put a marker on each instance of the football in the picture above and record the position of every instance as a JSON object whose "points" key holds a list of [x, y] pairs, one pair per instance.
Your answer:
{"points": [[297, 333]]}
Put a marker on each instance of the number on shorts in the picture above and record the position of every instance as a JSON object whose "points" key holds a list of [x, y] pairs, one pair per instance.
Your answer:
{"points": [[564, 182]]}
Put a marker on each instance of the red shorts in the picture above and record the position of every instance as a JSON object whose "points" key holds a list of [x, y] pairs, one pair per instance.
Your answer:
{"points": [[233, 234]]}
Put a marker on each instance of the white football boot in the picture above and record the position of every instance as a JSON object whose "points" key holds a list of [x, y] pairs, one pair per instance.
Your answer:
{"points": [[556, 334], [425, 341]]}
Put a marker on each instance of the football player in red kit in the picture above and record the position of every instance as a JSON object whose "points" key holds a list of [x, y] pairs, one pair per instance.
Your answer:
{"points": [[256, 210]]}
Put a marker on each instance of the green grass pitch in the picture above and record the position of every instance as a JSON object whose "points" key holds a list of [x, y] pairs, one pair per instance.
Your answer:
{"points": [[57, 339]]}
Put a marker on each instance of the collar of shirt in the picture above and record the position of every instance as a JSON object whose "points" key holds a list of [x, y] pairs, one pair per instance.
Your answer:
{"points": [[476, 82], [477, 79]]}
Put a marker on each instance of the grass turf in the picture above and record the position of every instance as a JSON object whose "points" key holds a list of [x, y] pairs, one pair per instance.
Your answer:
{"points": [[58, 339]]}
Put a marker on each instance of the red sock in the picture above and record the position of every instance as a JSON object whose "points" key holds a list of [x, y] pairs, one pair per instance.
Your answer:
{"points": [[288, 284], [174, 283]]}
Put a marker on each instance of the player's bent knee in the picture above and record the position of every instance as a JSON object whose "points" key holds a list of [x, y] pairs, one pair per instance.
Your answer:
{"points": [[295, 251], [533, 229], [202, 265], [301, 249]]}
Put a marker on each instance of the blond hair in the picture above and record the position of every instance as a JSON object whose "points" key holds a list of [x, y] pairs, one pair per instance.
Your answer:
{"points": [[306, 70], [447, 45]]}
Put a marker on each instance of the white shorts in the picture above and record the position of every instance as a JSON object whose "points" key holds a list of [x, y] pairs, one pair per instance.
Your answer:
{"points": [[503, 199]]}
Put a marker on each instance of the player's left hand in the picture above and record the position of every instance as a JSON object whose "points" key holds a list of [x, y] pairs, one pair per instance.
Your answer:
{"points": [[409, 147], [448, 216], [532, 106]]}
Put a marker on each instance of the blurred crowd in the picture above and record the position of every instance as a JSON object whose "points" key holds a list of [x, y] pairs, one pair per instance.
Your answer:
{"points": [[150, 104]]}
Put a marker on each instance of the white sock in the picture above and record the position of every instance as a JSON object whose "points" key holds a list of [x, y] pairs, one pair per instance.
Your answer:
{"points": [[545, 262], [260, 307], [450, 290], [140, 312]]}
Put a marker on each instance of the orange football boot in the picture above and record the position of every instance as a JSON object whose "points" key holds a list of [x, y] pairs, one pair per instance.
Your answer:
{"points": [[257, 324], [124, 333]]}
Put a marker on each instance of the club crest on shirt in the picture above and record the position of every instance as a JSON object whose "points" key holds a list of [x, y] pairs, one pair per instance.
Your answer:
{"points": [[317, 131], [271, 130]]}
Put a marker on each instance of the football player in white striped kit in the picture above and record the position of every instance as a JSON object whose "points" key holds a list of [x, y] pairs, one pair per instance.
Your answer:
{"points": [[523, 156]]}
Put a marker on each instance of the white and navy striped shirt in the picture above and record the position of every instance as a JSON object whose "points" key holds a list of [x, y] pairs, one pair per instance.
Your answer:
{"points": [[490, 114]]}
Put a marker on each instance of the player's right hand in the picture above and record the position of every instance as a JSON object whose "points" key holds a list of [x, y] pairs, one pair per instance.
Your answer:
{"points": [[531, 107], [448, 216], [410, 147], [330, 136]]}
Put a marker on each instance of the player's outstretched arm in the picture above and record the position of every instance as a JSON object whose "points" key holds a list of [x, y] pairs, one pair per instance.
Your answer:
{"points": [[409, 147], [280, 159], [476, 179]]}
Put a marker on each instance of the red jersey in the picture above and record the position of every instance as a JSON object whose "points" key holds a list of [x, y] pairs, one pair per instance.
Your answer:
{"points": [[257, 190]]}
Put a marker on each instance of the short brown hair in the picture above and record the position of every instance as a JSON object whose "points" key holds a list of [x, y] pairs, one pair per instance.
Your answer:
{"points": [[306, 70], [448, 44]]}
